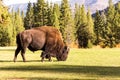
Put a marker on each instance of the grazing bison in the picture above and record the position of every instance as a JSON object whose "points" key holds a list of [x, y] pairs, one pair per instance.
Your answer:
{"points": [[45, 38]]}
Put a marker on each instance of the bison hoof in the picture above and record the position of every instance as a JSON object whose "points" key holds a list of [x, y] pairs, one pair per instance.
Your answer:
{"points": [[24, 60], [14, 60], [42, 60], [50, 60]]}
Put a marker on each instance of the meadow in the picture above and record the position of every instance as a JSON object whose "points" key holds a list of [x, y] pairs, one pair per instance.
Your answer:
{"points": [[95, 63]]}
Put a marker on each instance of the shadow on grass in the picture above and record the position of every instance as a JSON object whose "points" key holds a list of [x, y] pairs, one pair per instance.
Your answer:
{"points": [[28, 61], [20, 61], [6, 61], [7, 49], [40, 78], [77, 69]]}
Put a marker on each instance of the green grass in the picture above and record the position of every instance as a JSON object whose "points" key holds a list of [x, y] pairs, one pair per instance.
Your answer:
{"points": [[93, 64]]}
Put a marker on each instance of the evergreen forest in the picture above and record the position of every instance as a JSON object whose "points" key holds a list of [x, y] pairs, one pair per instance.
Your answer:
{"points": [[78, 27]]}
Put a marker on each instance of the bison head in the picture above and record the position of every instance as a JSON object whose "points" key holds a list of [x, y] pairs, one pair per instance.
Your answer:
{"points": [[64, 54]]}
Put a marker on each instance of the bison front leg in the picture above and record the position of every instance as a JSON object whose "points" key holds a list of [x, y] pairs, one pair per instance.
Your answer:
{"points": [[42, 59], [50, 58], [16, 53], [43, 55]]}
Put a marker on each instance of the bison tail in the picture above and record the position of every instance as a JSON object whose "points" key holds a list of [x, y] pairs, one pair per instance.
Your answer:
{"points": [[18, 40]]}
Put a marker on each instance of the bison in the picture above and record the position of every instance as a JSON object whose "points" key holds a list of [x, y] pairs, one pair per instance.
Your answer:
{"points": [[45, 38]]}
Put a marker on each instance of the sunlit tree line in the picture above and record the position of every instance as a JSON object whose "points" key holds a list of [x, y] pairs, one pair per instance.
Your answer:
{"points": [[78, 27]]}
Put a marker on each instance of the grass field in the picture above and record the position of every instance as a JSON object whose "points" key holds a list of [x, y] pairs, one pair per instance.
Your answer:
{"points": [[102, 64]]}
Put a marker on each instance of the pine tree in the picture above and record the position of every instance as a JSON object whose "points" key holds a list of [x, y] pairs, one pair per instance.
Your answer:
{"points": [[77, 19], [105, 28], [102, 31], [28, 21], [82, 34], [117, 15], [117, 23], [90, 21], [56, 20], [90, 25], [84, 27], [66, 22], [98, 27], [49, 14], [18, 22], [45, 13], [22, 15], [105, 34], [56, 9], [34, 14], [111, 23], [110, 16], [83, 18], [40, 13], [56, 16], [14, 33]]}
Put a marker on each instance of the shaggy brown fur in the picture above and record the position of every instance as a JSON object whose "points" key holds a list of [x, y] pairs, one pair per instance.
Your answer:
{"points": [[45, 38]]}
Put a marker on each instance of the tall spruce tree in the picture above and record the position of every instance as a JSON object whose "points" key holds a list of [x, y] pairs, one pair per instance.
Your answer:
{"points": [[22, 15], [105, 29], [28, 20], [82, 30], [40, 13], [110, 23], [56, 16], [77, 19], [90, 21], [90, 25], [117, 23], [83, 18], [84, 27], [56, 9], [102, 31], [105, 41], [66, 22], [98, 27], [49, 14], [19, 24], [12, 17]]}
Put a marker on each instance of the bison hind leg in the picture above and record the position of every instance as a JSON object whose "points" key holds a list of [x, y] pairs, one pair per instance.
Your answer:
{"points": [[16, 53], [23, 54]]}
